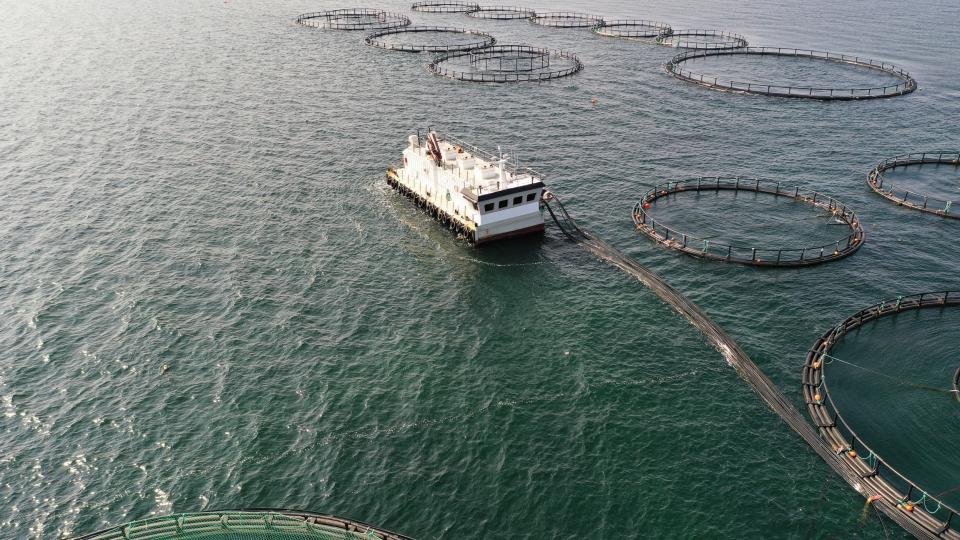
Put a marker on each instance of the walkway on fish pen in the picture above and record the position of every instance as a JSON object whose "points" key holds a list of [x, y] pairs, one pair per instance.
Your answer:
{"points": [[253, 524], [908, 497], [747, 369]]}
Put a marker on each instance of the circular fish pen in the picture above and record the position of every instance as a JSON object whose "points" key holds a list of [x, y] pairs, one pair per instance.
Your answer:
{"points": [[444, 7], [633, 29], [501, 13], [924, 202], [787, 256], [702, 39], [904, 85], [445, 39], [245, 524], [353, 19], [567, 19], [506, 63], [894, 488]]}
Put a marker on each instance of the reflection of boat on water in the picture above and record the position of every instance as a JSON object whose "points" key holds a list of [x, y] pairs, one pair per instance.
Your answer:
{"points": [[482, 196]]}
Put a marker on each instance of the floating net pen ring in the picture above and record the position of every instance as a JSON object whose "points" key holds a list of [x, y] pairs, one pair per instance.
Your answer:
{"points": [[911, 199], [703, 248], [567, 19], [835, 429], [506, 63], [501, 13], [252, 523], [353, 19], [521, 59], [444, 7], [633, 29], [702, 39], [483, 39], [906, 85]]}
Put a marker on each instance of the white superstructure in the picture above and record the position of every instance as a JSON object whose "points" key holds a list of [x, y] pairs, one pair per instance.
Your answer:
{"points": [[485, 197]]}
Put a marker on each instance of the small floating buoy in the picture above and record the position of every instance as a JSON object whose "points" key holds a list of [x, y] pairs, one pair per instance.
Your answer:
{"points": [[817, 397], [906, 506], [816, 364], [852, 453], [594, 101], [646, 205]]}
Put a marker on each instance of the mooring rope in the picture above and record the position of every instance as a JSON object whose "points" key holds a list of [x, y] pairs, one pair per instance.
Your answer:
{"points": [[732, 352], [898, 380], [886, 533]]}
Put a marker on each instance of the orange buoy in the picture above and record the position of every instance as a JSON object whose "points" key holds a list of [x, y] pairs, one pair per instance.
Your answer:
{"points": [[817, 397], [646, 205], [816, 365], [908, 507], [593, 101], [852, 453]]}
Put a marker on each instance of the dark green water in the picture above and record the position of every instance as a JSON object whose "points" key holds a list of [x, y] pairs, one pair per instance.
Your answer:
{"points": [[210, 298]]}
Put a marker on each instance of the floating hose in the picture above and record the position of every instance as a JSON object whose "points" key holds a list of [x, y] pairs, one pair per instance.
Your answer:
{"points": [[732, 352]]}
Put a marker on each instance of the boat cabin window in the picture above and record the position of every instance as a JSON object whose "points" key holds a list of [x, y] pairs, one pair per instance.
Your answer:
{"points": [[503, 203], [531, 197], [488, 207], [518, 200]]}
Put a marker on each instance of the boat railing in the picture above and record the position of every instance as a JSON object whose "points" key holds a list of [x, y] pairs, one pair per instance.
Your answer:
{"points": [[510, 164]]}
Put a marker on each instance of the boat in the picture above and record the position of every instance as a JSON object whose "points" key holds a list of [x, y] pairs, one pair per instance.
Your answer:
{"points": [[482, 196]]}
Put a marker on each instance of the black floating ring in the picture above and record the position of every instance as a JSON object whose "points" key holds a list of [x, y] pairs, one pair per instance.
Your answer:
{"points": [[841, 436], [567, 19], [633, 29], [721, 40], [484, 39], [911, 199], [501, 13], [526, 73], [353, 19], [444, 7], [906, 85], [749, 255]]}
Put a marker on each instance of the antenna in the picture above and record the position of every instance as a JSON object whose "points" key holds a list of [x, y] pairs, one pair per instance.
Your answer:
{"points": [[500, 162]]}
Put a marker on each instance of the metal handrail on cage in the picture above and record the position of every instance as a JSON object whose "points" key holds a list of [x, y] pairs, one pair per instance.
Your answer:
{"points": [[907, 84], [751, 255], [912, 199]]}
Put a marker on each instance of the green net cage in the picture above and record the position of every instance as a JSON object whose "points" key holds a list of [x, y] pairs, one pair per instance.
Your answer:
{"points": [[245, 525]]}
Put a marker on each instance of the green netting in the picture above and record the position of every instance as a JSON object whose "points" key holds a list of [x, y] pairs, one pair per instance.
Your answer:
{"points": [[243, 526]]}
